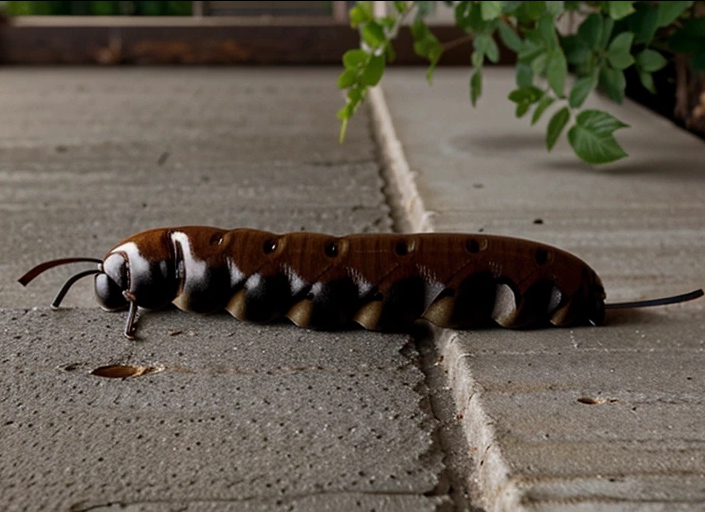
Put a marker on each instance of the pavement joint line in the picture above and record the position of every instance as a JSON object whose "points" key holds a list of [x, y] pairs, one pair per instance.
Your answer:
{"points": [[399, 175], [495, 490]]}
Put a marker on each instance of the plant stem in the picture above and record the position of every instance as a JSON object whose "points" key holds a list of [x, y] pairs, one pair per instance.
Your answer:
{"points": [[457, 42]]}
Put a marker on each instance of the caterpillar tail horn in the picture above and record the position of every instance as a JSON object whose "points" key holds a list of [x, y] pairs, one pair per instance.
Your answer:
{"points": [[675, 299]]}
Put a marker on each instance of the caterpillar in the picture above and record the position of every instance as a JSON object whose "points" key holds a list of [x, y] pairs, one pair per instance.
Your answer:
{"points": [[380, 281]]}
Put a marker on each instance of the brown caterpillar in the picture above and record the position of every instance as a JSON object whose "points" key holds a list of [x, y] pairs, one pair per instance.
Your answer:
{"points": [[381, 281]]}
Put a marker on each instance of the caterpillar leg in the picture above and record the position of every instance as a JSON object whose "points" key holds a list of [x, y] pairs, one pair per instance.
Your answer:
{"points": [[131, 323]]}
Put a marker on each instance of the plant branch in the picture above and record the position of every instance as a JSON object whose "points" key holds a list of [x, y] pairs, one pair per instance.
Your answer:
{"points": [[458, 42]]}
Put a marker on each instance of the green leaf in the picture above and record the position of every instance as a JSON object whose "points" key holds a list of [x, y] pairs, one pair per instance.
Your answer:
{"points": [[590, 30], [554, 7], [361, 13], [533, 10], [644, 22], [353, 98], [621, 44], [390, 53], [619, 10], [424, 8], [528, 95], [344, 113], [647, 81], [575, 50], [476, 86], [581, 89], [650, 61], [510, 38], [668, 12], [530, 51], [555, 126], [522, 108], [556, 71], [429, 48], [426, 45], [462, 14], [524, 76], [524, 97], [607, 26], [618, 53], [539, 64], [592, 139], [468, 15], [373, 34], [347, 78], [484, 43], [546, 28], [419, 30], [373, 72], [400, 6], [477, 23], [434, 56], [510, 7], [490, 10], [546, 102], [387, 22], [355, 58], [477, 59], [343, 127], [356, 95], [613, 82]]}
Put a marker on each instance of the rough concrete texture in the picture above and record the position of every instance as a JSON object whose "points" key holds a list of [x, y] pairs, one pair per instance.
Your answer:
{"points": [[238, 417], [606, 418]]}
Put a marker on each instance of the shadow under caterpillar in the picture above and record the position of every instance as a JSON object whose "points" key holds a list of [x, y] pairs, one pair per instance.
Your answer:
{"points": [[381, 281]]}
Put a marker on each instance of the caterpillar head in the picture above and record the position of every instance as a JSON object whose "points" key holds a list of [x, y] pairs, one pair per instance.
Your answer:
{"points": [[124, 279], [113, 282], [127, 276]]}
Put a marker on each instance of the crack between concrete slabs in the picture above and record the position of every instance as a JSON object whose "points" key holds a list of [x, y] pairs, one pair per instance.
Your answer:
{"points": [[408, 214], [487, 476]]}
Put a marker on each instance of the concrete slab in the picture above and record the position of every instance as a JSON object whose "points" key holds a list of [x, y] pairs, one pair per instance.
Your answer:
{"points": [[91, 156], [278, 417], [602, 418], [482, 169], [237, 417]]}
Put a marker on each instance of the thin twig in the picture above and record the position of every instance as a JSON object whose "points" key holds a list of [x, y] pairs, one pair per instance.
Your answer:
{"points": [[457, 42]]}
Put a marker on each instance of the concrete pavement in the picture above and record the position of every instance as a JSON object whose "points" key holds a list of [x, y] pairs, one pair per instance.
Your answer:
{"points": [[226, 415], [235, 416], [607, 418]]}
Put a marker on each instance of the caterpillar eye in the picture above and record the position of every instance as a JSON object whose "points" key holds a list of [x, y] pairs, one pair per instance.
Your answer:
{"points": [[108, 293], [115, 267]]}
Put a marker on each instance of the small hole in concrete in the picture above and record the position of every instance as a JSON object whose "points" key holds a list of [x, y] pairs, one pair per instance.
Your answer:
{"points": [[117, 371], [596, 401]]}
